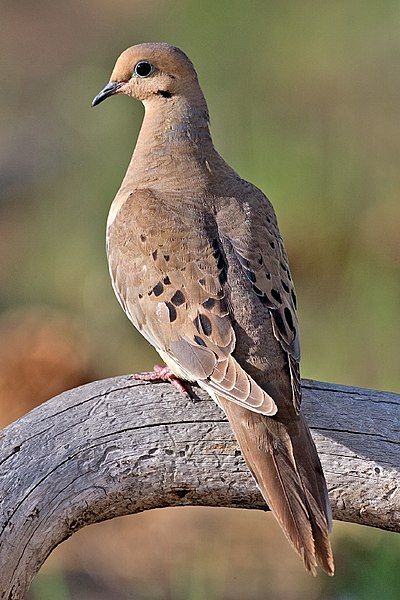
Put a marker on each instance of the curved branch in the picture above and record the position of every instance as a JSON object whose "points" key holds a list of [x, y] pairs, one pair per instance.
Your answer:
{"points": [[118, 446]]}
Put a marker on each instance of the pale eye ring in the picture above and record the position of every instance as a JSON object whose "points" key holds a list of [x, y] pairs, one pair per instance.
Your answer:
{"points": [[143, 69]]}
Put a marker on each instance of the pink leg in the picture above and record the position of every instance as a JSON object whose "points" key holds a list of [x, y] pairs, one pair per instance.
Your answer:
{"points": [[162, 374]]}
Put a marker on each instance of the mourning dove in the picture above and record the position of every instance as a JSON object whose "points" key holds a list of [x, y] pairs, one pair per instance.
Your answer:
{"points": [[199, 267]]}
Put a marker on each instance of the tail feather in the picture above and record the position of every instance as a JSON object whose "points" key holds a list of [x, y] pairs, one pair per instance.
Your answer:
{"points": [[284, 462], [313, 481]]}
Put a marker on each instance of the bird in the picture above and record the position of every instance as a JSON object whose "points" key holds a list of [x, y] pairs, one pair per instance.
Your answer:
{"points": [[198, 264]]}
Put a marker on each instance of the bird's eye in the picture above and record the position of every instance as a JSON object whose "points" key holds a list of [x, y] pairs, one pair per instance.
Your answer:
{"points": [[143, 69]]}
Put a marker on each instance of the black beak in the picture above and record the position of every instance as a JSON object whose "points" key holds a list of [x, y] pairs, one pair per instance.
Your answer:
{"points": [[109, 90]]}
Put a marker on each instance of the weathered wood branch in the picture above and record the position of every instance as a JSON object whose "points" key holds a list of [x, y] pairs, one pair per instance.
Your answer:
{"points": [[117, 447]]}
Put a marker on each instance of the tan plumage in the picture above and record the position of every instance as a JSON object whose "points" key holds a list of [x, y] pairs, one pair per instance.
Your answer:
{"points": [[198, 265]]}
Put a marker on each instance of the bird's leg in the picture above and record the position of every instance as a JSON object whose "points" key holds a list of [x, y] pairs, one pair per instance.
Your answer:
{"points": [[160, 373]]}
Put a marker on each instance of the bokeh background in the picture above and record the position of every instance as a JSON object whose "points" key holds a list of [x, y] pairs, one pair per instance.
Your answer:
{"points": [[305, 102]]}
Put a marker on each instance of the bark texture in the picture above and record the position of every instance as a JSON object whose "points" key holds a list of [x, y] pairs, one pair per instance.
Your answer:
{"points": [[118, 446]]}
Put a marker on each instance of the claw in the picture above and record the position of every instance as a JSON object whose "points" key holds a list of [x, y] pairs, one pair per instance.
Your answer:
{"points": [[162, 374]]}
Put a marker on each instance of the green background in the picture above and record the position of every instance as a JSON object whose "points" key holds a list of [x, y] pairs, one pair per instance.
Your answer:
{"points": [[304, 102]]}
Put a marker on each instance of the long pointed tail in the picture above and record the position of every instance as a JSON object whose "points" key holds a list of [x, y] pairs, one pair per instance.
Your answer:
{"points": [[284, 462]]}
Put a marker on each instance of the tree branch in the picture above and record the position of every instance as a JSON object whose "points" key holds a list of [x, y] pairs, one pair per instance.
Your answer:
{"points": [[117, 447]]}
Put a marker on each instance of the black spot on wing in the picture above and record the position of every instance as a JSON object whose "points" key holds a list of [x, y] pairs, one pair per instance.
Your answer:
{"points": [[199, 341], [223, 276], [158, 289], [265, 300], [209, 304], [289, 318], [292, 293], [263, 297], [246, 265], [279, 322], [276, 296], [251, 276], [178, 298], [219, 256], [206, 324], [258, 291], [203, 324], [172, 312], [285, 286]]}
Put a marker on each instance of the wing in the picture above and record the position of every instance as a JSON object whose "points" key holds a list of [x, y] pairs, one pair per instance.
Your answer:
{"points": [[169, 273], [255, 240]]}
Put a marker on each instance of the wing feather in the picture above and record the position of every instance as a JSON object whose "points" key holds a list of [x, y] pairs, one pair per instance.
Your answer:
{"points": [[169, 276], [257, 244]]}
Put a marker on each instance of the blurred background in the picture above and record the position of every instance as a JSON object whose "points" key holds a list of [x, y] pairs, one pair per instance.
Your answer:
{"points": [[305, 102]]}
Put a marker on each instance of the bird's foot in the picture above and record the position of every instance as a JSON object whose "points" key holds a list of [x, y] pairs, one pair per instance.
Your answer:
{"points": [[160, 373]]}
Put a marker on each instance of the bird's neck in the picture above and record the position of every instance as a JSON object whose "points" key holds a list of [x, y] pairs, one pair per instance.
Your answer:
{"points": [[174, 147]]}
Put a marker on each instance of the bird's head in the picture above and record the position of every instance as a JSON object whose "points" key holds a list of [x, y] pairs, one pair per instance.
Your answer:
{"points": [[153, 71]]}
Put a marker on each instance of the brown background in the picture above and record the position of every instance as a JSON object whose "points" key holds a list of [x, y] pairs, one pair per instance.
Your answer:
{"points": [[304, 102]]}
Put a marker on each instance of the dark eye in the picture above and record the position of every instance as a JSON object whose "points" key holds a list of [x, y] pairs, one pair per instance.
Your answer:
{"points": [[143, 69]]}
